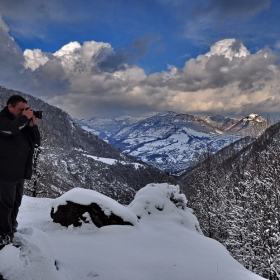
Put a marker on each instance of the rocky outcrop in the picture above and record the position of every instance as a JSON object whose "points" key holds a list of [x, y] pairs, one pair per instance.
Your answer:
{"points": [[76, 214]]}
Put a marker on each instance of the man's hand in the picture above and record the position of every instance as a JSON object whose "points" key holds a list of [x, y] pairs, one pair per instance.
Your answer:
{"points": [[28, 113], [33, 121]]}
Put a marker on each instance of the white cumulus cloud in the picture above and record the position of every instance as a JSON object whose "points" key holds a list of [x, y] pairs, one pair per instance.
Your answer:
{"points": [[34, 59], [229, 48]]}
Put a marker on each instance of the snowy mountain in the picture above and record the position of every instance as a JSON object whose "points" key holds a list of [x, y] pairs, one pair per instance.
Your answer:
{"points": [[105, 127], [162, 245], [169, 140], [72, 157], [251, 125]]}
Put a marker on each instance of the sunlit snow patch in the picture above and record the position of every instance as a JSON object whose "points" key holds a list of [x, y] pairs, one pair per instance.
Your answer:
{"points": [[112, 161]]}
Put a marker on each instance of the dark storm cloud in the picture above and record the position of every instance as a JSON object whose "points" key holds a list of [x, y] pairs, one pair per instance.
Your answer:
{"points": [[139, 48], [114, 61], [264, 107], [213, 20], [236, 8], [50, 78], [11, 60], [25, 9], [33, 18], [255, 71], [45, 10], [122, 106], [9, 49], [236, 46]]}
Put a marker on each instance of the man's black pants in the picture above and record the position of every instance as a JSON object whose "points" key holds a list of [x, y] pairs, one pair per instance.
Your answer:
{"points": [[10, 200]]}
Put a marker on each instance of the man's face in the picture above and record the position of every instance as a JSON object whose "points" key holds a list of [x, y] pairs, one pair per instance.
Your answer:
{"points": [[18, 109]]}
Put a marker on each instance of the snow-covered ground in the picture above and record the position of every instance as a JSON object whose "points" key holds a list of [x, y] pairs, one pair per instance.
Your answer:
{"points": [[113, 161], [165, 244]]}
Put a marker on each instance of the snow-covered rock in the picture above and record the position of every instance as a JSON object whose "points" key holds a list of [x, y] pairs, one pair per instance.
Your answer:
{"points": [[164, 201], [80, 205]]}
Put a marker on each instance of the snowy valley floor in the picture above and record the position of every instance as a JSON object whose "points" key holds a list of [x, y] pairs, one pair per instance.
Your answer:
{"points": [[158, 248]]}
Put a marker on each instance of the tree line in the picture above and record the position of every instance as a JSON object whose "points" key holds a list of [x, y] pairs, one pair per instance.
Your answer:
{"points": [[236, 198]]}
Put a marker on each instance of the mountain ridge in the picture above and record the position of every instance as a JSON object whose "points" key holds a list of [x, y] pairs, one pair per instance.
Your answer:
{"points": [[169, 140]]}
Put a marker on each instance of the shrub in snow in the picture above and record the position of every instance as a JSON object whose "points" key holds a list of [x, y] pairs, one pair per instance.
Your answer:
{"points": [[164, 201], [79, 206]]}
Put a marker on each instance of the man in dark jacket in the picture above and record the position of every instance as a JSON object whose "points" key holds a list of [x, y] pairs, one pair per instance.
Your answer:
{"points": [[19, 135]]}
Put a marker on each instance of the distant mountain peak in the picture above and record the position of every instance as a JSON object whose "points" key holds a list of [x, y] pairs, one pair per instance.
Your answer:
{"points": [[254, 117], [253, 125]]}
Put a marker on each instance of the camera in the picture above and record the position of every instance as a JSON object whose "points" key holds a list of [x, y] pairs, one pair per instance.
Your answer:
{"points": [[37, 114]]}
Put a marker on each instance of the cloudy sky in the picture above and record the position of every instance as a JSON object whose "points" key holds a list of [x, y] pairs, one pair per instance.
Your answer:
{"points": [[136, 57]]}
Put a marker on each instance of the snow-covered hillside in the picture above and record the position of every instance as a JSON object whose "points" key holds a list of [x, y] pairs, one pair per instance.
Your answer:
{"points": [[164, 244], [169, 140], [105, 127]]}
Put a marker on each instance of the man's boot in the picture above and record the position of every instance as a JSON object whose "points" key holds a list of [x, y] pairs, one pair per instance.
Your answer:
{"points": [[5, 239]]}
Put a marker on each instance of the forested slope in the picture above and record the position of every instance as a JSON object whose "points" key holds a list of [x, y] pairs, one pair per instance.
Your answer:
{"points": [[237, 201]]}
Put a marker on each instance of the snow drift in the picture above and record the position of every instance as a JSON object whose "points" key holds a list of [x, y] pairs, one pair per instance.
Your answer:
{"points": [[165, 243]]}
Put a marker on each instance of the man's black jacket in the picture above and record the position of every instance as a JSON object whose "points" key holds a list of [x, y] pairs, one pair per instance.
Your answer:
{"points": [[17, 143]]}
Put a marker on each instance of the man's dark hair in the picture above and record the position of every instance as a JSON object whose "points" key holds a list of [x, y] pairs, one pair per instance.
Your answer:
{"points": [[15, 99]]}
